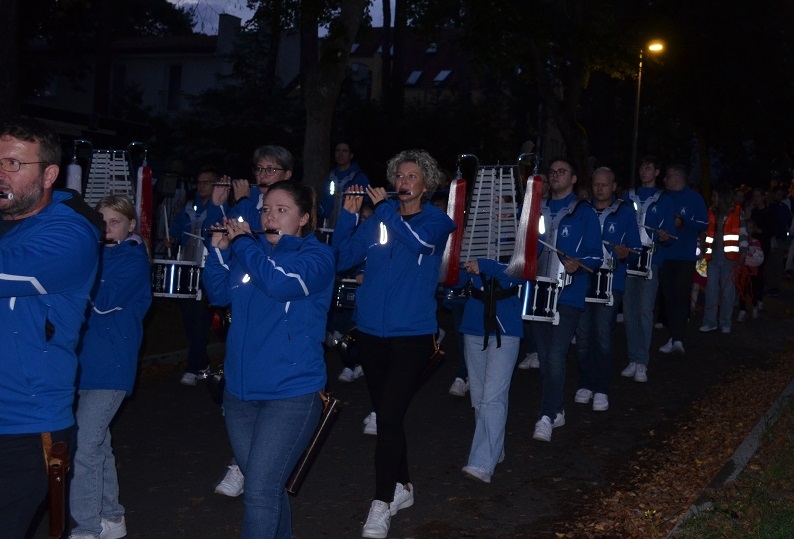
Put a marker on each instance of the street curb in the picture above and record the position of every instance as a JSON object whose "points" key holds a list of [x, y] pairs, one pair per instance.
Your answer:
{"points": [[738, 461]]}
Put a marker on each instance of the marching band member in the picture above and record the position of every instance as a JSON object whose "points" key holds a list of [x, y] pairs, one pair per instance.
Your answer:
{"points": [[492, 330], [656, 220], [595, 332], [108, 359], [49, 250], [279, 285], [573, 229], [403, 243]]}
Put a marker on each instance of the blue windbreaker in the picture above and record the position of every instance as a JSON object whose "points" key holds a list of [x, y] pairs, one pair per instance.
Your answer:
{"points": [[691, 207], [659, 215], [620, 227], [508, 310], [112, 333], [397, 297], [48, 263], [280, 296]]}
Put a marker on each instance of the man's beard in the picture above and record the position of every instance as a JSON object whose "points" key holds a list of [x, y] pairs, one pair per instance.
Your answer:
{"points": [[24, 202]]}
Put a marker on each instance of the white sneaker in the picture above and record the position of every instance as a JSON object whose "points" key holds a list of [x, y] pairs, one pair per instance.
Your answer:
{"points": [[189, 379], [641, 374], [459, 387], [742, 316], [358, 372], [531, 361], [232, 483], [378, 520], [440, 336], [113, 530], [403, 498], [667, 347], [346, 375], [371, 424], [629, 371], [658, 325], [475, 472], [678, 347], [705, 329], [600, 402], [583, 396], [544, 427]]}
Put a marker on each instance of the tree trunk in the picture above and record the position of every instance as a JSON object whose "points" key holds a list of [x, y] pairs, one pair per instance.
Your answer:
{"points": [[323, 83], [386, 58], [9, 57]]}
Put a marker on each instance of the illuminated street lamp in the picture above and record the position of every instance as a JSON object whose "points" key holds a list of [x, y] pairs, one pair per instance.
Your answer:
{"points": [[655, 47]]}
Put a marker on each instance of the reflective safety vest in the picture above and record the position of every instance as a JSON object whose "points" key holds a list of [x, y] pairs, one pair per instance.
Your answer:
{"points": [[730, 233]]}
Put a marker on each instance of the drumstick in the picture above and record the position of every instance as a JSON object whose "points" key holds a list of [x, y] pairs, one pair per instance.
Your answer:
{"points": [[540, 241], [612, 244], [167, 237], [658, 231]]}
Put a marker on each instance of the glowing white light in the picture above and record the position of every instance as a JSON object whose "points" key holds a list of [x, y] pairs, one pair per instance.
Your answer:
{"points": [[541, 226], [246, 278], [384, 235]]}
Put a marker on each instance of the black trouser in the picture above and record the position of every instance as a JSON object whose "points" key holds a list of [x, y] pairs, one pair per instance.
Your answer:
{"points": [[392, 367], [675, 283], [23, 480]]}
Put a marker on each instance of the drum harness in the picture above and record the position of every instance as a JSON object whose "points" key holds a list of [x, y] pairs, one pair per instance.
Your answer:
{"points": [[491, 292], [642, 210], [552, 234], [602, 217]]}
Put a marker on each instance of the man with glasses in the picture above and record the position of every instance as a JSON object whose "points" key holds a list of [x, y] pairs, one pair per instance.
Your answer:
{"points": [[571, 227], [49, 252], [187, 232], [675, 278]]}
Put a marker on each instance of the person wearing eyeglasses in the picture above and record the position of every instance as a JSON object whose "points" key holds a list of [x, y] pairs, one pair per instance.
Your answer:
{"points": [[271, 164], [49, 255], [573, 228], [187, 232]]}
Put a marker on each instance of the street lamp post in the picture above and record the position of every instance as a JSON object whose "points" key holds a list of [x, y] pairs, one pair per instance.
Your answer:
{"points": [[654, 46]]}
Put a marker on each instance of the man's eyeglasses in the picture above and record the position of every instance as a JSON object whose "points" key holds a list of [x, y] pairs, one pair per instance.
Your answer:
{"points": [[12, 165], [267, 171], [558, 172]]}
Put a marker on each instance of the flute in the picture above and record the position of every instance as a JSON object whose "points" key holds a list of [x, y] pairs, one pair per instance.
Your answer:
{"points": [[224, 231], [388, 193], [7, 196], [552, 248], [658, 231], [613, 244], [229, 184]]}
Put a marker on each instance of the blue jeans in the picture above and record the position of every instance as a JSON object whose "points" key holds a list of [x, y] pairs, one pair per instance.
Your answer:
{"points": [[638, 301], [594, 336], [720, 293], [490, 372], [553, 343], [94, 489], [268, 438]]}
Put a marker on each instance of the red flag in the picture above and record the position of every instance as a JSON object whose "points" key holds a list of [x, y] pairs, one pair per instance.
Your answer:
{"points": [[449, 274], [524, 263]]}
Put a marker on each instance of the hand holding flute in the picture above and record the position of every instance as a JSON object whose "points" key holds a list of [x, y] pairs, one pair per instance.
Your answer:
{"points": [[233, 228]]}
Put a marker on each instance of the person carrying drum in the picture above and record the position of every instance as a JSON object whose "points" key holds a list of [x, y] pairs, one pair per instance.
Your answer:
{"points": [[49, 253], [656, 220], [279, 284], [403, 243], [108, 358], [573, 231], [595, 332]]}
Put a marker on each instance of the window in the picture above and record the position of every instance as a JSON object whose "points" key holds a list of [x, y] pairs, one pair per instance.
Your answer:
{"points": [[441, 77], [432, 48], [413, 78]]}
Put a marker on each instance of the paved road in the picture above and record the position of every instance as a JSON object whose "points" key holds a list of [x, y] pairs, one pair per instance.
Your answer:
{"points": [[171, 448]]}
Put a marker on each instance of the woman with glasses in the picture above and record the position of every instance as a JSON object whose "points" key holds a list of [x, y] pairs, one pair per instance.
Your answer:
{"points": [[402, 244], [108, 359], [279, 285]]}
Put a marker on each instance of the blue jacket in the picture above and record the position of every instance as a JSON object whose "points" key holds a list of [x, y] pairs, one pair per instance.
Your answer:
{"points": [[578, 236], [659, 215], [397, 297], [508, 310], [112, 333], [621, 228], [341, 181], [280, 296], [689, 205], [48, 263]]}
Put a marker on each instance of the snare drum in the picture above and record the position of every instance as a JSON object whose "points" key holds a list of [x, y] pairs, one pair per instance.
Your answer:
{"points": [[345, 294], [540, 300], [176, 279], [600, 290], [642, 267]]}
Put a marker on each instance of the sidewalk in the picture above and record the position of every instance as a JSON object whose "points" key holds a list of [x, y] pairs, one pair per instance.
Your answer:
{"points": [[171, 446]]}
